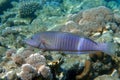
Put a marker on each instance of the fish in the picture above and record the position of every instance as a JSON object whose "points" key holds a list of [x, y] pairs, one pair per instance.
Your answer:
{"points": [[65, 41]]}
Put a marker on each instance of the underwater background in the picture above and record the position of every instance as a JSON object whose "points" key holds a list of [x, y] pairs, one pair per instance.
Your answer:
{"points": [[20, 19]]}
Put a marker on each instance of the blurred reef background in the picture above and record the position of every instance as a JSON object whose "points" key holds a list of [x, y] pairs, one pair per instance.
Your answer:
{"points": [[20, 19]]}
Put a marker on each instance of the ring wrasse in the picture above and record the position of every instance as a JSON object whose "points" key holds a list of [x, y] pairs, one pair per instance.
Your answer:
{"points": [[63, 41]]}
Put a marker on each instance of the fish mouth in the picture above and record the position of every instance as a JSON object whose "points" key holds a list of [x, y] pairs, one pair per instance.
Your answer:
{"points": [[31, 42]]}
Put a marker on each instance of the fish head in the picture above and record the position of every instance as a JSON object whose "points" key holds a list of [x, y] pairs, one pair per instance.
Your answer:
{"points": [[33, 41]]}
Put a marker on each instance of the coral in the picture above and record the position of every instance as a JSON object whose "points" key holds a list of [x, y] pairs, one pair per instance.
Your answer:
{"points": [[99, 21], [2, 50], [45, 72], [36, 60], [85, 71], [26, 53], [117, 18], [106, 77], [27, 9], [28, 72], [98, 64], [9, 30], [101, 64], [55, 67], [4, 5], [96, 56], [70, 26], [2, 70], [18, 59], [11, 75], [10, 65], [10, 52], [92, 20], [100, 13], [116, 63], [27, 68]]}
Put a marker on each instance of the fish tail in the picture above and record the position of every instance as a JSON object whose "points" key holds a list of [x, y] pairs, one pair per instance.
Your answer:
{"points": [[108, 48]]}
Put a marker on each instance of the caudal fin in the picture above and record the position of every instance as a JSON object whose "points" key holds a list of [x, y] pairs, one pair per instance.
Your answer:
{"points": [[108, 48]]}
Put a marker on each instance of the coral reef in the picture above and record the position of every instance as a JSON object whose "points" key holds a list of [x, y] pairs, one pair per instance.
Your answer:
{"points": [[95, 25], [90, 22], [96, 19], [29, 65]]}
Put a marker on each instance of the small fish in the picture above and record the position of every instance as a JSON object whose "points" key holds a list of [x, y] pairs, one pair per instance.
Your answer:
{"points": [[63, 41]]}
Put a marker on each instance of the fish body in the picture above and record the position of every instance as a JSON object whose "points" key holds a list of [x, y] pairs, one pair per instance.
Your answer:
{"points": [[63, 41]]}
